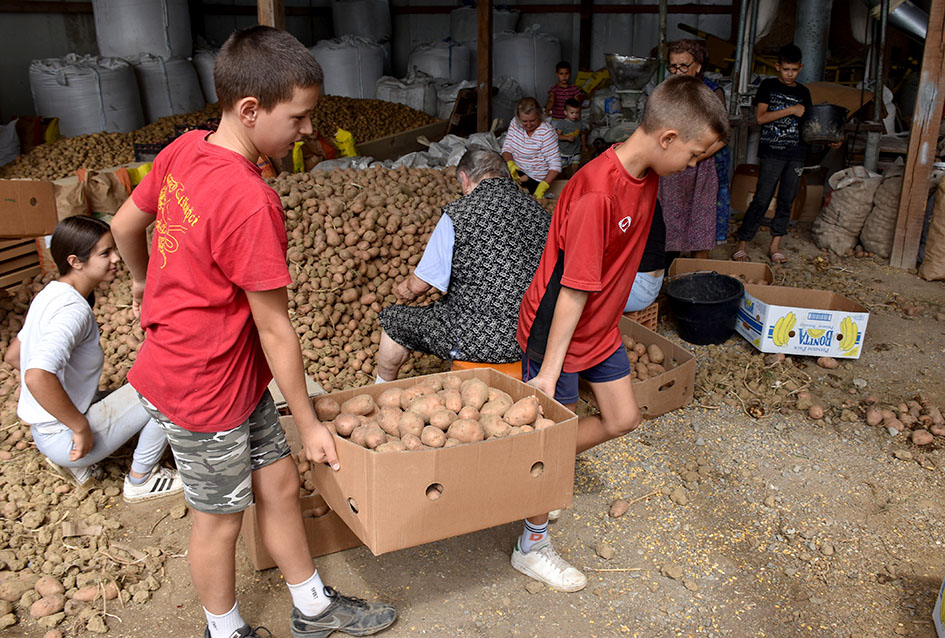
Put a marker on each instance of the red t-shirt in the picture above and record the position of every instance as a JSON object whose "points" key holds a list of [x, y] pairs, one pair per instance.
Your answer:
{"points": [[597, 235], [219, 232]]}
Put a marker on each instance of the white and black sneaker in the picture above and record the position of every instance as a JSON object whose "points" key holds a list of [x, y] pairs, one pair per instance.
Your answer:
{"points": [[162, 482]]}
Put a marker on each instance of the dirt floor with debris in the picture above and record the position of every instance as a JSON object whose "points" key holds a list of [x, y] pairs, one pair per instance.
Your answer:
{"points": [[746, 516]]}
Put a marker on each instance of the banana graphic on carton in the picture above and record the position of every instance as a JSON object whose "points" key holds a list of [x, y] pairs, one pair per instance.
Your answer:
{"points": [[816, 334], [782, 329], [849, 333]]}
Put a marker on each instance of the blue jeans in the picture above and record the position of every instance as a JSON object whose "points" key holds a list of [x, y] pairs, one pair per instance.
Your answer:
{"points": [[646, 288], [772, 171]]}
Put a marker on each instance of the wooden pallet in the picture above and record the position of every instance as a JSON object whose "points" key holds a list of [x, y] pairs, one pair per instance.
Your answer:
{"points": [[19, 260]]}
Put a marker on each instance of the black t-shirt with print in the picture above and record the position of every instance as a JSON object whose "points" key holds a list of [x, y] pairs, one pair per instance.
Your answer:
{"points": [[781, 138]]}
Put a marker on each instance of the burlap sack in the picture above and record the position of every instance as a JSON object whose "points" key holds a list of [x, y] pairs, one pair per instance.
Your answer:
{"points": [[933, 266], [880, 225], [837, 227]]}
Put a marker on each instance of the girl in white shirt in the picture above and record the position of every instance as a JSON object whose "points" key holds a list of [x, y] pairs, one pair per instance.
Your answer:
{"points": [[60, 359]]}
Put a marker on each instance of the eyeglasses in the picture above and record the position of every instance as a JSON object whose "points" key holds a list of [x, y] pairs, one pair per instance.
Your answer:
{"points": [[675, 68]]}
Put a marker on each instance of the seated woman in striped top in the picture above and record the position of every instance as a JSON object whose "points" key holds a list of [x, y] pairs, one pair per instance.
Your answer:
{"points": [[531, 148]]}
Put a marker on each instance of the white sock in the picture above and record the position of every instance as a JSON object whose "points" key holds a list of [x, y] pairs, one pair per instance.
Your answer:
{"points": [[224, 625], [532, 535], [380, 379], [309, 596]]}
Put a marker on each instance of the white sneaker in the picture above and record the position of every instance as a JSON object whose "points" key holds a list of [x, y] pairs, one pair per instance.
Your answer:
{"points": [[162, 482], [545, 565], [554, 515], [78, 476]]}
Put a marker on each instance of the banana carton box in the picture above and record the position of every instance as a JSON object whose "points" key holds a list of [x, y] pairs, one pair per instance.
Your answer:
{"points": [[815, 323]]}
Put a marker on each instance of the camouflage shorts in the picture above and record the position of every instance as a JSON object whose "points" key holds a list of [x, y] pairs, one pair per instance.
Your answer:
{"points": [[216, 467]]}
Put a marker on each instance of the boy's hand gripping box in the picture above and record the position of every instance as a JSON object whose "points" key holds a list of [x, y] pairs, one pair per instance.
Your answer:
{"points": [[814, 323], [384, 498]]}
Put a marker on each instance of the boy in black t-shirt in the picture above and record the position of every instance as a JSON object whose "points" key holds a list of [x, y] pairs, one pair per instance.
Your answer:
{"points": [[780, 105]]}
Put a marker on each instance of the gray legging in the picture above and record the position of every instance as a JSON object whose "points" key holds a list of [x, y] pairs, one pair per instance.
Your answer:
{"points": [[113, 420]]}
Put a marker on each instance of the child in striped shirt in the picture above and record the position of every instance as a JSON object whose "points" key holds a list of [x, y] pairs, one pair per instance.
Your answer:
{"points": [[562, 92]]}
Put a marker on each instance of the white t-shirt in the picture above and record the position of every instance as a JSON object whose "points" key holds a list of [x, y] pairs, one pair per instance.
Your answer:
{"points": [[60, 335]]}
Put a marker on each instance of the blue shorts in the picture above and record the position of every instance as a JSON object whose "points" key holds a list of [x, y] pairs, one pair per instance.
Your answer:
{"points": [[616, 366]]}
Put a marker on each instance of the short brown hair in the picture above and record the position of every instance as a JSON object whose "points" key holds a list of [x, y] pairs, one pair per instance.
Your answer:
{"points": [[687, 105], [76, 235], [264, 63]]}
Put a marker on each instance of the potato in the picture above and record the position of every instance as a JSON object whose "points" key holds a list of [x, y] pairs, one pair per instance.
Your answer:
{"points": [[346, 423], [494, 426], [411, 394], [426, 406], [523, 412], [389, 418], [451, 382], [391, 446], [466, 430], [498, 406], [410, 423], [359, 434], [514, 430], [469, 412], [655, 369], [451, 442], [640, 349], [390, 398], [411, 442], [527, 428], [326, 408], [374, 436], [451, 399], [434, 383], [655, 353], [874, 416], [828, 363], [434, 437], [496, 393], [474, 392], [362, 404], [442, 418], [543, 423]]}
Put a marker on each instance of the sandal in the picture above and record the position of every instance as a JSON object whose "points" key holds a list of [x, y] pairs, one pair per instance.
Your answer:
{"points": [[777, 257], [740, 255]]}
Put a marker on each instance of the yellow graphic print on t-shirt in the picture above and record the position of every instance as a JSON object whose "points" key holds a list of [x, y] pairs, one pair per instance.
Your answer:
{"points": [[171, 200]]}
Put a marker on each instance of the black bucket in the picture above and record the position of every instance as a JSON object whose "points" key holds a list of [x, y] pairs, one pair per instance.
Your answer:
{"points": [[823, 124], [705, 305]]}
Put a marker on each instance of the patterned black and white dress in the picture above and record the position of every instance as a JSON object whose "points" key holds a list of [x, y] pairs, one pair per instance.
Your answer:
{"points": [[500, 234]]}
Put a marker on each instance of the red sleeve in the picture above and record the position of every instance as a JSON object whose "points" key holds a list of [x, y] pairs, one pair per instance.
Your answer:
{"points": [[252, 256], [584, 240]]}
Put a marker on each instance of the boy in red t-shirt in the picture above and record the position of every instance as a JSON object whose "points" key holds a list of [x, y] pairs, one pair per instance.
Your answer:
{"points": [[567, 325], [215, 314]]}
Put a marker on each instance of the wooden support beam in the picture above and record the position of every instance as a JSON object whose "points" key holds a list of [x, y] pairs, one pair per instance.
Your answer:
{"points": [[584, 37], [922, 141], [484, 75], [271, 13]]}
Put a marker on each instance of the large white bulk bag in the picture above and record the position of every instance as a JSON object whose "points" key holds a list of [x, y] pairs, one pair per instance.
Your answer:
{"points": [[441, 60], [464, 23], [168, 87], [365, 18], [352, 65], [203, 62], [88, 94], [416, 91], [529, 58], [446, 94], [128, 28]]}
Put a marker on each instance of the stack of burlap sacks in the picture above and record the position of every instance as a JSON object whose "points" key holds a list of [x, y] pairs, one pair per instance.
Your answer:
{"points": [[863, 207]]}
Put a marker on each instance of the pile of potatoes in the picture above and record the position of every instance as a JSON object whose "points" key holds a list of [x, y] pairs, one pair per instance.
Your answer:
{"points": [[365, 119], [646, 361], [440, 411]]}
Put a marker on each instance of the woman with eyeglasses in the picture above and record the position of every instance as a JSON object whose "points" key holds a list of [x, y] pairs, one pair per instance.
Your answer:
{"points": [[696, 201]]}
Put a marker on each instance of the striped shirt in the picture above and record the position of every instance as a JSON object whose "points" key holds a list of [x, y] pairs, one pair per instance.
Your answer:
{"points": [[535, 154], [563, 94]]}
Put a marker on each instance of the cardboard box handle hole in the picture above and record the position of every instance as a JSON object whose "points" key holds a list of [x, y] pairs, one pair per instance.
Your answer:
{"points": [[353, 504], [434, 491], [33, 201], [537, 469], [667, 385]]}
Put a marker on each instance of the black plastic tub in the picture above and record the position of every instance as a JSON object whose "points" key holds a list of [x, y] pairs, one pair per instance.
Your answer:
{"points": [[823, 124], [705, 305]]}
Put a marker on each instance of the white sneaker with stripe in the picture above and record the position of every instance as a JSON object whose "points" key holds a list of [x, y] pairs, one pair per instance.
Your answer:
{"points": [[162, 482]]}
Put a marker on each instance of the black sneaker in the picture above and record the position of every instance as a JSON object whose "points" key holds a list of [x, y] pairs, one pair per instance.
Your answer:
{"points": [[243, 632], [353, 616]]}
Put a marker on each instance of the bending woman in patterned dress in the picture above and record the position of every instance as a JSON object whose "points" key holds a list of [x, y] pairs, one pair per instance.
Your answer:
{"points": [[696, 201], [482, 256]]}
